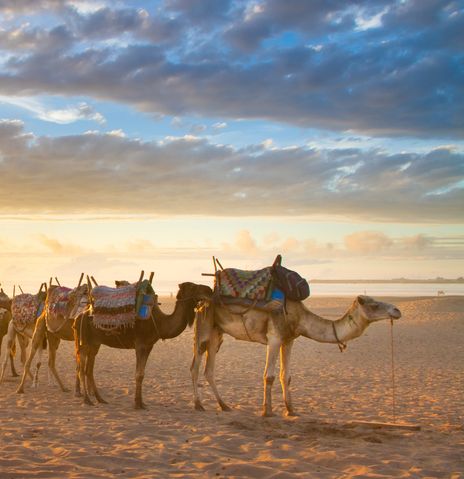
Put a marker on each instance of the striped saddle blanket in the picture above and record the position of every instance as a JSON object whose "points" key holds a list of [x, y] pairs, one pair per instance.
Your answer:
{"points": [[114, 308], [25, 309]]}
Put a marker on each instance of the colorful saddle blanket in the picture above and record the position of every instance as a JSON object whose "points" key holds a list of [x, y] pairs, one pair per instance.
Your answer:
{"points": [[114, 308], [248, 288], [25, 309], [58, 301], [238, 283]]}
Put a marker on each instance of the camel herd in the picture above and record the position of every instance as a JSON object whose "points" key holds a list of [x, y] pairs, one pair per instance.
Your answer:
{"points": [[195, 305]]}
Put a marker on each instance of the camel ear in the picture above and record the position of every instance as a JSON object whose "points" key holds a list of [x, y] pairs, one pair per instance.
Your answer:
{"points": [[361, 300]]}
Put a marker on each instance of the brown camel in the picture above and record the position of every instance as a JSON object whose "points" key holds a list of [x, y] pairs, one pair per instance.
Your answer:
{"points": [[141, 337], [24, 311], [62, 306], [277, 331], [5, 318]]}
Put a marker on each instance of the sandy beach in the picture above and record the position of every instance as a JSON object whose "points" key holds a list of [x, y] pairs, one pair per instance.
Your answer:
{"points": [[49, 434]]}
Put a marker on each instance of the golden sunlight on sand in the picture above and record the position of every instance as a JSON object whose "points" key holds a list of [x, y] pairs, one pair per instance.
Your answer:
{"points": [[50, 434]]}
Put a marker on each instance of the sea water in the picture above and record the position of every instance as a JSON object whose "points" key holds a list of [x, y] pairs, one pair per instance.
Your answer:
{"points": [[386, 289]]}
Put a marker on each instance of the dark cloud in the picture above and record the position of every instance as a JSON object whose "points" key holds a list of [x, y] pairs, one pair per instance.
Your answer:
{"points": [[107, 173], [404, 77]]}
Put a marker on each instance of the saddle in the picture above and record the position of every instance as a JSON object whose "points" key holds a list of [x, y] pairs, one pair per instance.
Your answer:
{"points": [[58, 301], [266, 288], [26, 308], [247, 288], [114, 308]]}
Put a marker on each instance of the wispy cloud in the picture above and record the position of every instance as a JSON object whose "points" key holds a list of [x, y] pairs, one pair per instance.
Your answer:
{"points": [[71, 114]]}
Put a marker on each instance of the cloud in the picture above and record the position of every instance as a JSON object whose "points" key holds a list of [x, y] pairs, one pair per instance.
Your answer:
{"points": [[58, 247], [402, 78], [245, 243], [367, 242], [63, 116], [111, 174], [416, 242]]}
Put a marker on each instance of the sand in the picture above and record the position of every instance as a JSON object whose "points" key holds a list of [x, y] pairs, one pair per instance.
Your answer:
{"points": [[46, 433]]}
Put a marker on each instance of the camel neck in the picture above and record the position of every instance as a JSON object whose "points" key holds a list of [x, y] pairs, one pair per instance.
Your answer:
{"points": [[349, 326], [171, 325]]}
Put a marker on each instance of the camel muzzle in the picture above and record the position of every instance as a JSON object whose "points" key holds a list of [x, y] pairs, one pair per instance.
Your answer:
{"points": [[395, 314]]}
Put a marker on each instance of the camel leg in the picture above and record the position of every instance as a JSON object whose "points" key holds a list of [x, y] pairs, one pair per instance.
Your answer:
{"points": [[35, 381], [10, 339], [269, 374], [53, 343], [77, 384], [285, 354], [215, 340], [12, 366], [203, 329], [36, 343], [194, 371], [141, 353], [90, 376], [82, 357]]}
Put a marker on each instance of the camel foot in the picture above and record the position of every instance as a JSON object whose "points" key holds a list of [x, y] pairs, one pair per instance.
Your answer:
{"points": [[14, 374], [65, 390], [225, 407], [77, 394], [199, 406], [101, 400], [20, 390], [140, 406], [267, 413], [291, 414], [88, 401]]}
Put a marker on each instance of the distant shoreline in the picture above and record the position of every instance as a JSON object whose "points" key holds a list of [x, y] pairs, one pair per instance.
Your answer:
{"points": [[389, 281]]}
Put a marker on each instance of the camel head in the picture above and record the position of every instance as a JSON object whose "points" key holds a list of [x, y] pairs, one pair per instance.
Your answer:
{"points": [[5, 301], [373, 310], [121, 283], [78, 300], [193, 291]]}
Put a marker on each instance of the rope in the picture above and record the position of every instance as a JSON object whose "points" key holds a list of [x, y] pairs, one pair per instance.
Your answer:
{"points": [[393, 373]]}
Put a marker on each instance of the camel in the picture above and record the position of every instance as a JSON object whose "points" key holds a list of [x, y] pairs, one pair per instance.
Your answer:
{"points": [[56, 324], [23, 331], [5, 318], [141, 337], [278, 332]]}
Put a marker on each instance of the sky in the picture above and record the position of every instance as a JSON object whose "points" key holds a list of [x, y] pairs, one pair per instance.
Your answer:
{"points": [[156, 134]]}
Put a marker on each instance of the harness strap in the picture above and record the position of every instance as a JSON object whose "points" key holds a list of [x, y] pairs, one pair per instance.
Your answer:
{"points": [[242, 314], [341, 346]]}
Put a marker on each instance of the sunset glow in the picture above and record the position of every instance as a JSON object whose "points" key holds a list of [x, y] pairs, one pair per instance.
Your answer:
{"points": [[153, 135]]}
